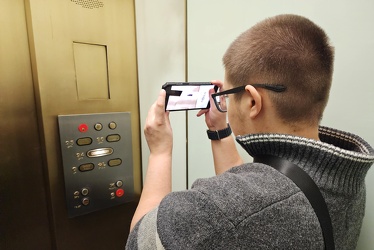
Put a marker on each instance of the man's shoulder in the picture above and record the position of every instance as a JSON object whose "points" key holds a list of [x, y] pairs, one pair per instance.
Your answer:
{"points": [[246, 178]]}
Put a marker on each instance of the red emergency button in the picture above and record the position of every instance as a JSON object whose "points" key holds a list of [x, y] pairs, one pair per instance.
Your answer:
{"points": [[120, 192], [83, 127]]}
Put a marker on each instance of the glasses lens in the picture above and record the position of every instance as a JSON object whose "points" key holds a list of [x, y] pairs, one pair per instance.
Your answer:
{"points": [[222, 102]]}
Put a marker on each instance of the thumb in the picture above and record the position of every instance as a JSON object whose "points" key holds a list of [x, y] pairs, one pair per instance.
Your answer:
{"points": [[160, 106], [161, 98]]}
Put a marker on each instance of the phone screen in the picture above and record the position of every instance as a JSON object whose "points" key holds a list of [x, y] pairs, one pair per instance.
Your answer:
{"points": [[187, 95]]}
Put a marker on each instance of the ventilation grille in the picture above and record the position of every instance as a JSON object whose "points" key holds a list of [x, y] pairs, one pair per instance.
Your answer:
{"points": [[89, 4]]}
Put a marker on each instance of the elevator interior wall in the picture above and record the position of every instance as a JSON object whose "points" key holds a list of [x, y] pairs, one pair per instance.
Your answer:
{"points": [[64, 58]]}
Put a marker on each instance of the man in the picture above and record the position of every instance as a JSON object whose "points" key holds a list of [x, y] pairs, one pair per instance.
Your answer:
{"points": [[277, 80]]}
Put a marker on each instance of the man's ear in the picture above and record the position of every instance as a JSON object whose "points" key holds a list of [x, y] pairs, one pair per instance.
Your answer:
{"points": [[255, 101]]}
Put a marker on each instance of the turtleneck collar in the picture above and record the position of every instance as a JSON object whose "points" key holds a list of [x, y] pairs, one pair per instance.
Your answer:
{"points": [[339, 162]]}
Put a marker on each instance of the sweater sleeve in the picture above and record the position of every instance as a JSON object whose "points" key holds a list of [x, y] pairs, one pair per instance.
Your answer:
{"points": [[144, 236], [190, 220], [184, 220]]}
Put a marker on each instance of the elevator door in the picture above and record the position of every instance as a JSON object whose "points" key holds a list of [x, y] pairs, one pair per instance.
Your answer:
{"points": [[24, 216]]}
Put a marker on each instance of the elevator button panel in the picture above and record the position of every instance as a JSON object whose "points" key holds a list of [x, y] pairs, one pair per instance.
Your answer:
{"points": [[97, 161]]}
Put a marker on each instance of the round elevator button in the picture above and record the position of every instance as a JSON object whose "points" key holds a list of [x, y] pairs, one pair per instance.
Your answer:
{"points": [[98, 126], [82, 127], [84, 191], [85, 201], [119, 183], [120, 192], [112, 125]]}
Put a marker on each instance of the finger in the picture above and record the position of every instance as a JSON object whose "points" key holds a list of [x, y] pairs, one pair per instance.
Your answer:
{"points": [[212, 104], [156, 110], [161, 99], [201, 112], [159, 108], [217, 83]]}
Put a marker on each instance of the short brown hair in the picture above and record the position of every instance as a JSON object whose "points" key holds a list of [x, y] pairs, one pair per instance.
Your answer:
{"points": [[289, 50]]}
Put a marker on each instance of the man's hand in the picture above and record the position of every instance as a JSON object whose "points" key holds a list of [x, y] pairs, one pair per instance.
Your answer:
{"points": [[214, 119], [157, 131]]}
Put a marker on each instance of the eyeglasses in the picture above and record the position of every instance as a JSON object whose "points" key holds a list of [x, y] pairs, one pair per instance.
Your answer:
{"points": [[222, 102]]}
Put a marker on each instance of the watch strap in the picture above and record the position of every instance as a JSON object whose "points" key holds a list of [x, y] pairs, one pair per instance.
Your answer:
{"points": [[219, 134]]}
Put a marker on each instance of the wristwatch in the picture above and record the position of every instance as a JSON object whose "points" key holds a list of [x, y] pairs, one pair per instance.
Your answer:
{"points": [[219, 134]]}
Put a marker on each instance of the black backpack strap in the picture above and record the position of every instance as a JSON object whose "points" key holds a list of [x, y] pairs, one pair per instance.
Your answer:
{"points": [[309, 188]]}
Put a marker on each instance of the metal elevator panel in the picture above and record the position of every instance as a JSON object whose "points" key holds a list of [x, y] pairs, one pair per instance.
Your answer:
{"points": [[97, 161], [83, 59], [24, 214]]}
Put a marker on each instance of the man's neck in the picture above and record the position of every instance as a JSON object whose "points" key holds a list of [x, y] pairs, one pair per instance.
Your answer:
{"points": [[297, 129]]}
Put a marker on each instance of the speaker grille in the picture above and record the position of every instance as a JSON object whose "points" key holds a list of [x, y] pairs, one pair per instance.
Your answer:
{"points": [[89, 4]]}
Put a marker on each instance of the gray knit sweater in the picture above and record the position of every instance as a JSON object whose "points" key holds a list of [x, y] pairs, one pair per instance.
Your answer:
{"points": [[253, 206]]}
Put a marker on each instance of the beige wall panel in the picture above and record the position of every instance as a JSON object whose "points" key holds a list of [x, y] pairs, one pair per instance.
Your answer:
{"points": [[161, 43]]}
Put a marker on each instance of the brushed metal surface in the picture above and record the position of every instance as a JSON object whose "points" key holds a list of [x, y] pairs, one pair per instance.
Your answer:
{"points": [[24, 220], [33, 206], [53, 27]]}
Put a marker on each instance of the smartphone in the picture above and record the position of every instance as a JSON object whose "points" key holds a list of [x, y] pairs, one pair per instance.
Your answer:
{"points": [[187, 95]]}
